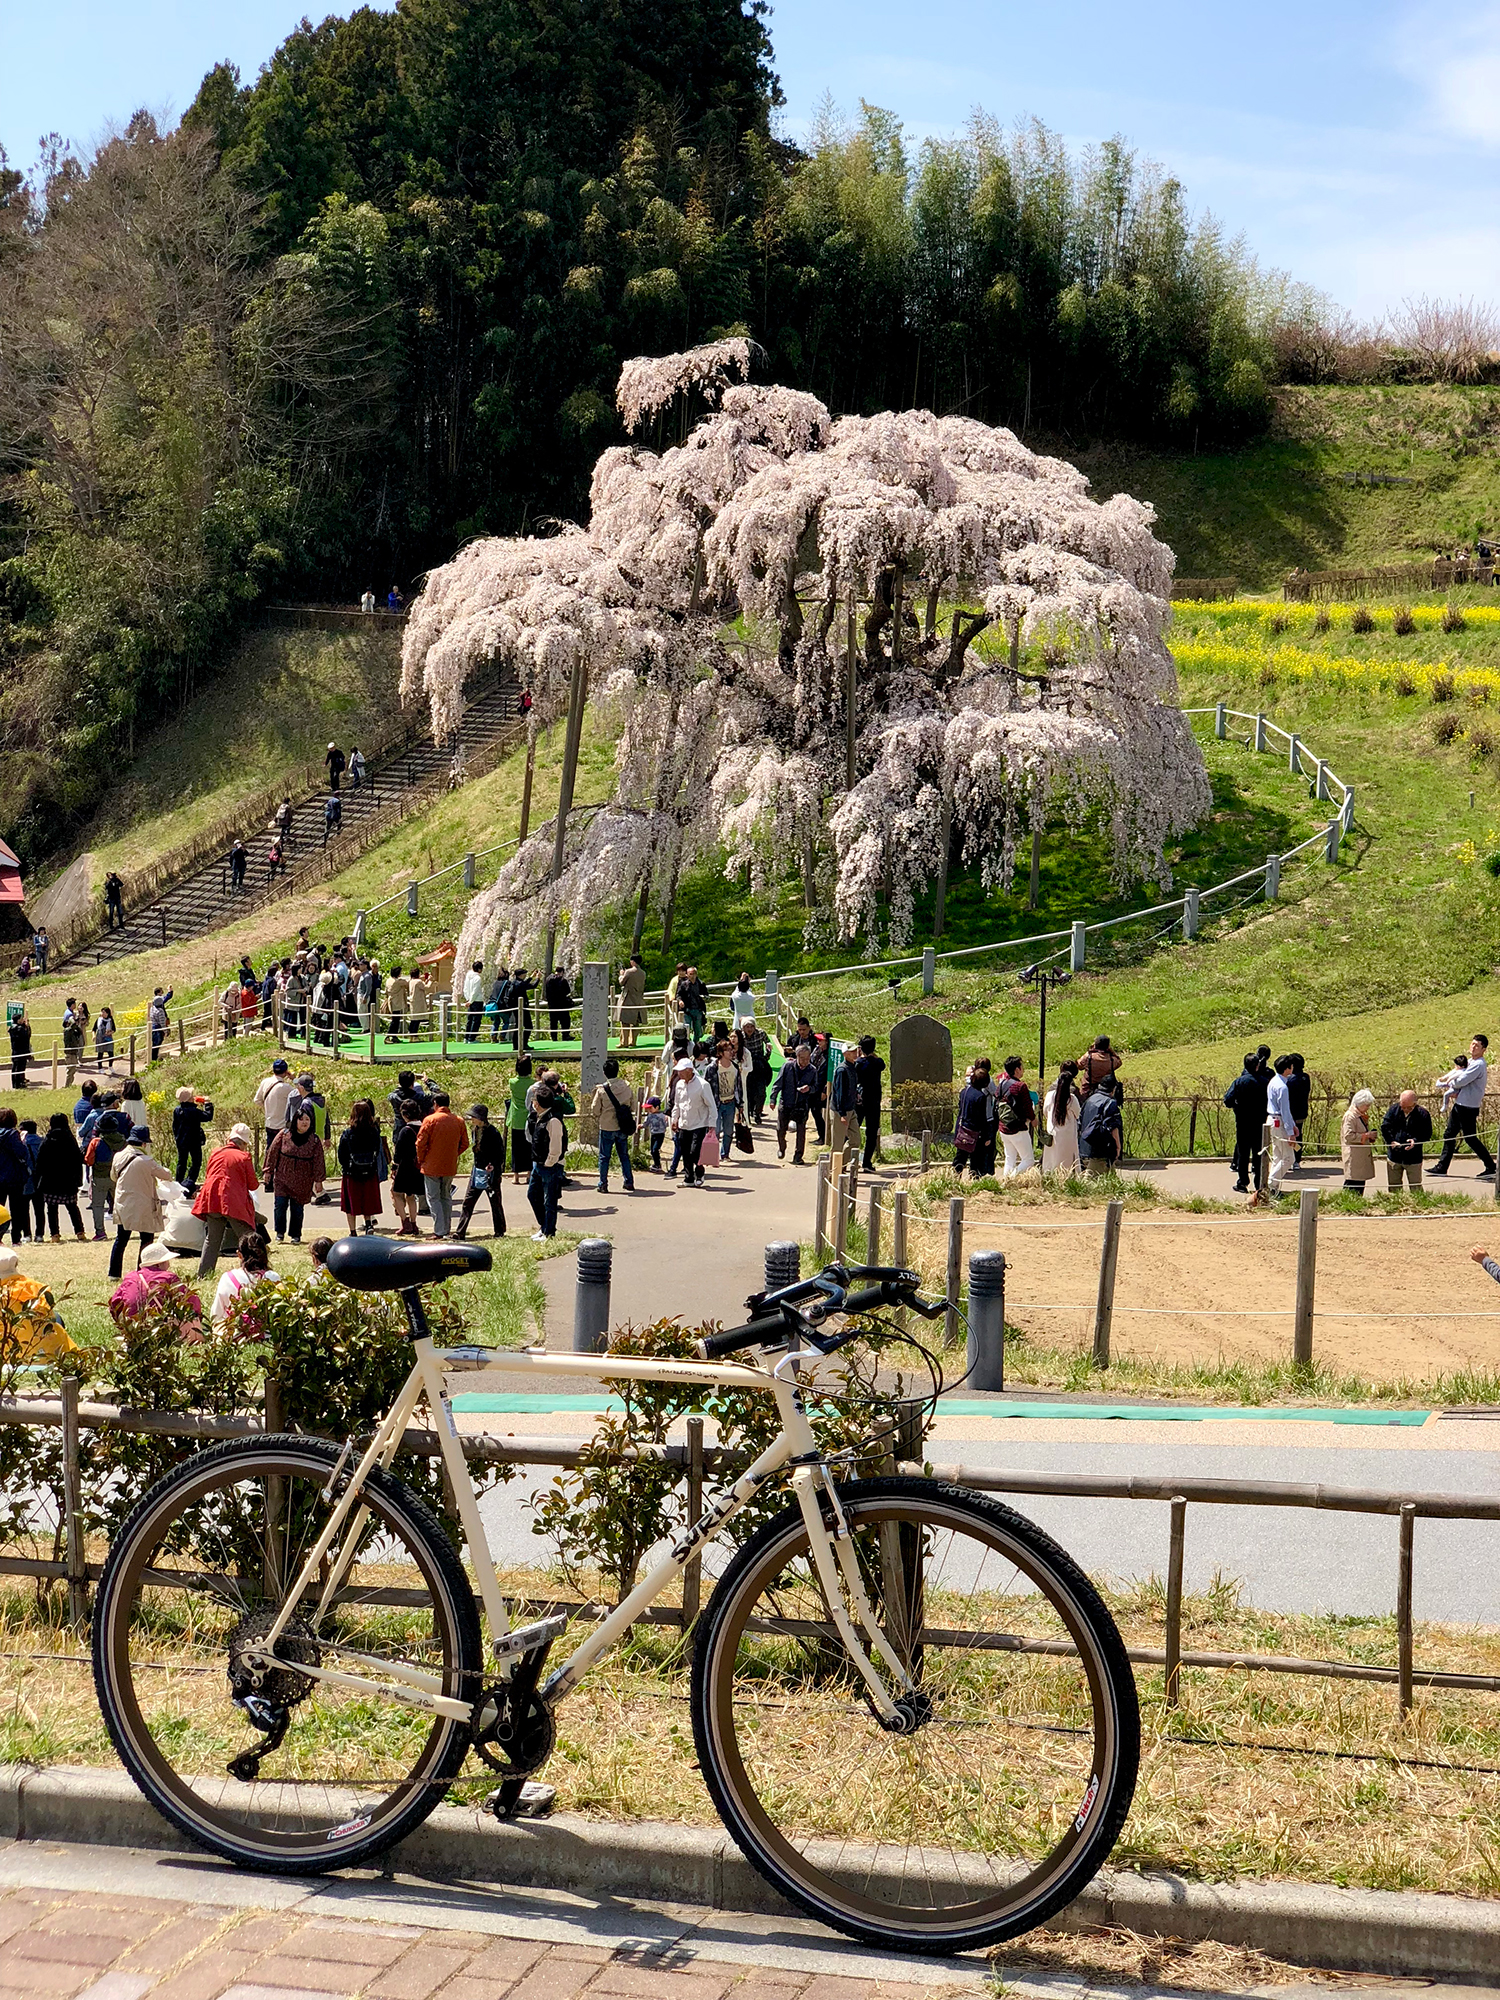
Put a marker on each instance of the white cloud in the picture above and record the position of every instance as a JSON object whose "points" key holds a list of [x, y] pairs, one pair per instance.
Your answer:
{"points": [[1457, 63]]}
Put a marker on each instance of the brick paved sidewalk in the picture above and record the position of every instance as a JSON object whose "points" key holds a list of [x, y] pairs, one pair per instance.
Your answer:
{"points": [[97, 1947]]}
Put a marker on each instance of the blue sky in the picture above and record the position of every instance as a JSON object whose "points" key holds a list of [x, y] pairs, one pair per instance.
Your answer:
{"points": [[1355, 146]]}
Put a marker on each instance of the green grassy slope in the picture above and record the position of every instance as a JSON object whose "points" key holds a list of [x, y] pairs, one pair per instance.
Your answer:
{"points": [[1284, 501], [269, 712]]}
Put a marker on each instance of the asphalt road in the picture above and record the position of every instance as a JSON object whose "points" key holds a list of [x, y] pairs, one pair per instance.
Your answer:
{"points": [[1285, 1559]]}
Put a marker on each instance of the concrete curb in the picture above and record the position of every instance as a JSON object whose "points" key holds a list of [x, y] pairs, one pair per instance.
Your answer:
{"points": [[1353, 1930]]}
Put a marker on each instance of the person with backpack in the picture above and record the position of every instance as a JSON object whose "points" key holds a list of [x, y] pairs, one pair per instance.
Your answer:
{"points": [[869, 1070], [104, 1134], [296, 1167], [727, 1088], [1101, 1136], [974, 1124], [158, 1020], [138, 1181], [614, 1107], [360, 1153], [486, 1171], [190, 1119], [843, 1109], [547, 1137], [1016, 1116]]}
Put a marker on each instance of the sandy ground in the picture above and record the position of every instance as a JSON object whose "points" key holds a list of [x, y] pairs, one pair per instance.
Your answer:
{"points": [[1190, 1288]]}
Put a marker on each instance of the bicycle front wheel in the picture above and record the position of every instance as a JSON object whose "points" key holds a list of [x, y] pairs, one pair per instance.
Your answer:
{"points": [[300, 1773], [1001, 1804]]}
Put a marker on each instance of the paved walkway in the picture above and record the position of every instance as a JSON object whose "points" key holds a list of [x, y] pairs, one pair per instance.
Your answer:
{"points": [[85, 1923]]}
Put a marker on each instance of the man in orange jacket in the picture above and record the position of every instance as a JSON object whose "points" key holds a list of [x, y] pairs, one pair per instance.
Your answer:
{"points": [[442, 1141]]}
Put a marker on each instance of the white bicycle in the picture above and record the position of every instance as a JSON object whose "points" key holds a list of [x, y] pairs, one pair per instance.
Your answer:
{"points": [[912, 1710]]}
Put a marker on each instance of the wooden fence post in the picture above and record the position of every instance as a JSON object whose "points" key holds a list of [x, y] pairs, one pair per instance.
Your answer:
{"points": [[54, 1065], [1173, 1664], [927, 1151], [181, 1036], [820, 1210], [872, 1225], [692, 1575], [1403, 1606], [898, 1243], [1104, 1307], [75, 1553], [1307, 1271], [132, 1055], [955, 1274], [840, 1216]]}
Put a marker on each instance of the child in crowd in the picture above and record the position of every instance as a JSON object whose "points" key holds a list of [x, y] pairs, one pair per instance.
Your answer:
{"points": [[657, 1127]]}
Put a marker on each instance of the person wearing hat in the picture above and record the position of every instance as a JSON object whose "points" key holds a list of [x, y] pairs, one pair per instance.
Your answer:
{"points": [[139, 1289], [693, 1117], [31, 1317], [226, 1200], [271, 1096], [335, 760], [138, 1181], [189, 1120], [486, 1172]]}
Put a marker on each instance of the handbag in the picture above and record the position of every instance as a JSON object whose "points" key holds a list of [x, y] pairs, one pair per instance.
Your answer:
{"points": [[743, 1141], [708, 1152], [966, 1138], [482, 1180], [624, 1114]]}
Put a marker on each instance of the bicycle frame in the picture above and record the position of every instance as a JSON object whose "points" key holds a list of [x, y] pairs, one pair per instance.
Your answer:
{"points": [[832, 1548]]}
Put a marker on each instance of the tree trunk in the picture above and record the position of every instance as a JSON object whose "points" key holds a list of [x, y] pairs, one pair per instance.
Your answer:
{"points": [[666, 925], [577, 696], [809, 873], [526, 782], [1036, 868], [930, 628], [850, 691]]}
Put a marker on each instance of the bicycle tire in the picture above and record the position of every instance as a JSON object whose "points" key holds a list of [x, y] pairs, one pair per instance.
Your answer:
{"points": [[455, 1635], [816, 1877]]}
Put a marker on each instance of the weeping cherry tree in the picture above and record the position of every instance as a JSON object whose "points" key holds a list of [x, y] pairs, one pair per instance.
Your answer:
{"points": [[846, 648]]}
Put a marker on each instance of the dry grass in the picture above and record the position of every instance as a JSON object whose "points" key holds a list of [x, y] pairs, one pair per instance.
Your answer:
{"points": [[1125, 1958], [1254, 1775]]}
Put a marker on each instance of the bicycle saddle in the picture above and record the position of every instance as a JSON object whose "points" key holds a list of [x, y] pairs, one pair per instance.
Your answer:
{"points": [[376, 1264]]}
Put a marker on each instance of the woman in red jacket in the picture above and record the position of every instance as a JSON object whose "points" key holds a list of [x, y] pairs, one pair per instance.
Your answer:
{"points": [[226, 1200]]}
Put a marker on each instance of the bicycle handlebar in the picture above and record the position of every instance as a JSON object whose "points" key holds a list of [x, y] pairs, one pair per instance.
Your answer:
{"points": [[775, 1318]]}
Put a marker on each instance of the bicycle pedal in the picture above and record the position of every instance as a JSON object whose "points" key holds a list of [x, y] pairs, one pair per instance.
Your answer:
{"points": [[521, 1800], [527, 1638]]}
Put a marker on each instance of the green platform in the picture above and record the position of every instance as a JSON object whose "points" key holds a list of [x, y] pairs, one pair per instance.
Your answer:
{"points": [[1000, 1406]]}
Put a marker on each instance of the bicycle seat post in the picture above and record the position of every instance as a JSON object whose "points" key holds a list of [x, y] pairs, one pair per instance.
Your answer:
{"points": [[416, 1314]]}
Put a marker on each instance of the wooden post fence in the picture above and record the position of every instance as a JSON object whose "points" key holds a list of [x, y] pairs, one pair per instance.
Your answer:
{"points": [[1403, 1607], [872, 1225], [955, 1275], [1104, 1305], [820, 1210], [840, 1216], [75, 1554], [692, 1575], [898, 1242], [1172, 1667], [1307, 1271]]}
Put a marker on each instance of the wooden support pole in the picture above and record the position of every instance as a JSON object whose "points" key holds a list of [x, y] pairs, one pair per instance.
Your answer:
{"points": [[692, 1575], [277, 1020], [851, 689], [926, 1151], [1307, 1271], [1173, 1665], [1033, 894], [54, 1065], [75, 1553], [955, 1273], [132, 1055], [1403, 1606], [840, 1217], [181, 1036], [526, 783], [820, 1210], [577, 699], [872, 1225], [1104, 1305]]}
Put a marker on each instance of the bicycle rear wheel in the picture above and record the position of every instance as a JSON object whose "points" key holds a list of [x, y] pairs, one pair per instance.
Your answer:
{"points": [[196, 1575], [992, 1813]]}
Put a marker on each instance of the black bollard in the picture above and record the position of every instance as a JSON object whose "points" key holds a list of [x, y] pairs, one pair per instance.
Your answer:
{"points": [[986, 1354], [591, 1298], [783, 1265]]}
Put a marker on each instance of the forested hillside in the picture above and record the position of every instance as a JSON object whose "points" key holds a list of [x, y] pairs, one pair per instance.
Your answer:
{"points": [[374, 301]]}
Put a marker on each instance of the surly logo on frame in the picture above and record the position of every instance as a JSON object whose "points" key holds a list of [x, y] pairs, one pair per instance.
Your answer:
{"points": [[709, 1522]]}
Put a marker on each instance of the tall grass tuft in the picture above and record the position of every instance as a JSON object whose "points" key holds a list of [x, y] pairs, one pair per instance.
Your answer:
{"points": [[1453, 618], [1442, 686], [1363, 619], [1402, 622]]}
